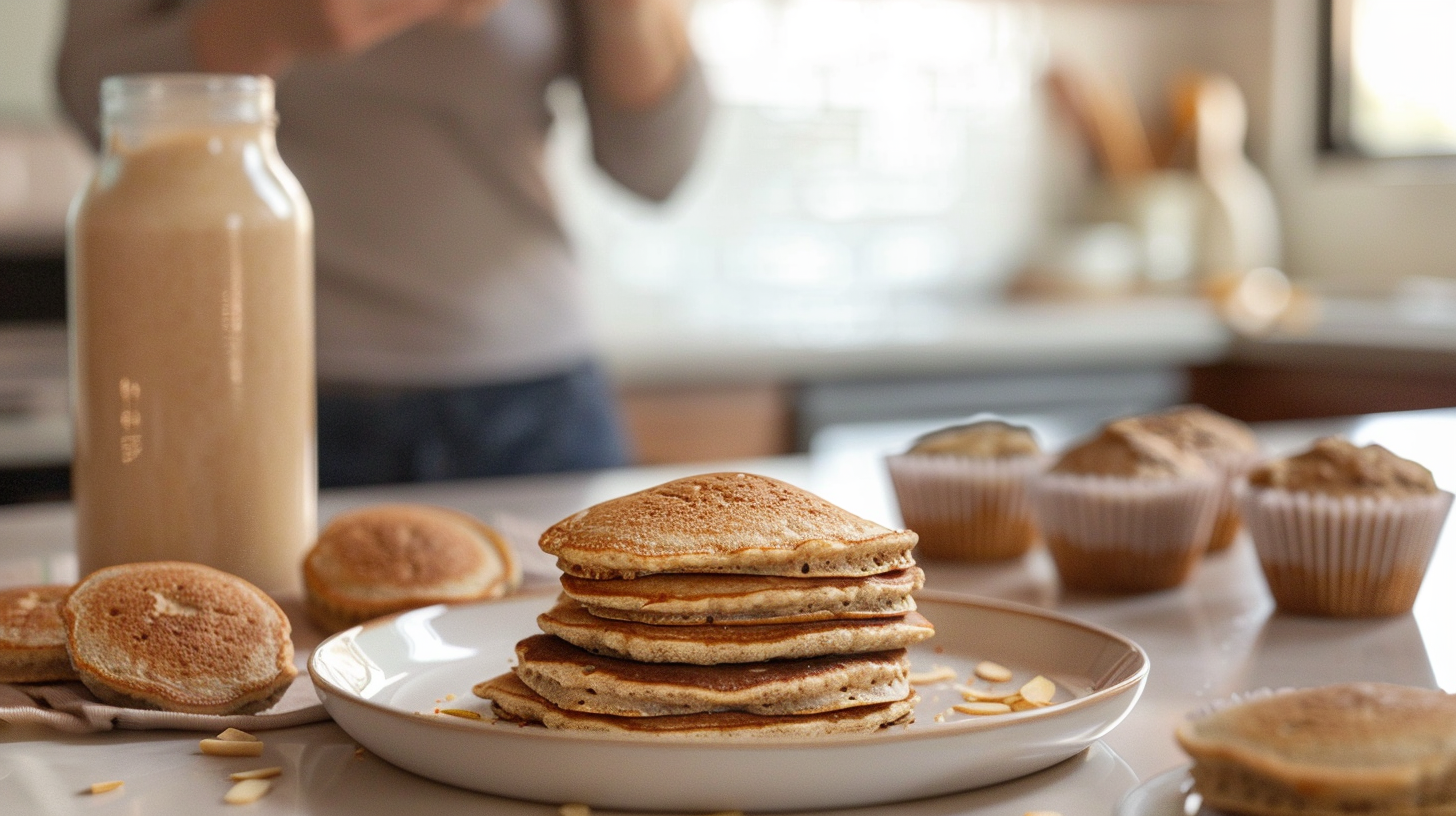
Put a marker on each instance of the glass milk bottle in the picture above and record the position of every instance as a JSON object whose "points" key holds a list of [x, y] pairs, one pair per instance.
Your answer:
{"points": [[191, 318]]}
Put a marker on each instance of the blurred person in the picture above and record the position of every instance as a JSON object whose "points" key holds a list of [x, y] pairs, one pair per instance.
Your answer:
{"points": [[451, 328]]}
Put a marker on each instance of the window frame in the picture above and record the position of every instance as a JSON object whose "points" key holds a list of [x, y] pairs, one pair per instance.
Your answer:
{"points": [[1333, 140]]}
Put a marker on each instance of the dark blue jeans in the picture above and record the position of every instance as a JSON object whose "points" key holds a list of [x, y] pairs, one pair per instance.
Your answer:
{"points": [[385, 435]]}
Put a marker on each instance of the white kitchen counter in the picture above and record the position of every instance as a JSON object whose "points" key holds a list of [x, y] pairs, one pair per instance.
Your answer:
{"points": [[948, 340], [1214, 637]]}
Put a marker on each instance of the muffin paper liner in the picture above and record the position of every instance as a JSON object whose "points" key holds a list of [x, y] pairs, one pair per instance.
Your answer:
{"points": [[1113, 534], [964, 508], [1343, 556], [1226, 518]]}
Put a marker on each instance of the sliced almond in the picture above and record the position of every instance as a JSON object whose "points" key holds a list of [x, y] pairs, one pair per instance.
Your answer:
{"points": [[979, 695], [247, 791], [1022, 705], [993, 672], [1012, 699], [256, 773], [939, 674], [234, 735], [1039, 691], [105, 787], [982, 709], [462, 713], [233, 748], [574, 809]]}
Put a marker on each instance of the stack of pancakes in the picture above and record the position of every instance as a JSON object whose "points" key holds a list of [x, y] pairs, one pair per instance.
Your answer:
{"points": [[722, 604]]}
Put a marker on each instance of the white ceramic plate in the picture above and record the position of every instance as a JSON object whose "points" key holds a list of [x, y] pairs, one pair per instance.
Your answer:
{"points": [[1167, 794], [382, 683]]}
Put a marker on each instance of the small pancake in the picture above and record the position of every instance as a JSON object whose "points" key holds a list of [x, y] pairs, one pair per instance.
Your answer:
{"points": [[675, 599], [575, 679], [514, 700], [724, 523], [712, 645], [393, 557], [33, 636], [1349, 748], [178, 637]]}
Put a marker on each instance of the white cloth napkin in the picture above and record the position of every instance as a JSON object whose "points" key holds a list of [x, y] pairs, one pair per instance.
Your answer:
{"points": [[71, 707]]}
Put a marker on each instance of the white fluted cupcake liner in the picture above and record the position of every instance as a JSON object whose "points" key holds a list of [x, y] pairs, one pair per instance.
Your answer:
{"points": [[1112, 534], [965, 508], [1226, 517], [1343, 556]]}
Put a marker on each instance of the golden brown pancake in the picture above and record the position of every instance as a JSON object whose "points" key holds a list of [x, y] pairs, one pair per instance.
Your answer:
{"points": [[393, 557], [675, 599], [577, 680], [179, 637], [515, 700], [1353, 748], [33, 636], [724, 523], [711, 645]]}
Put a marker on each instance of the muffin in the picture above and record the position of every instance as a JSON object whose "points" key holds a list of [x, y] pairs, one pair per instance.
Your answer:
{"points": [[1343, 530], [1224, 443], [1125, 511], [963, 490], [395, 557]]}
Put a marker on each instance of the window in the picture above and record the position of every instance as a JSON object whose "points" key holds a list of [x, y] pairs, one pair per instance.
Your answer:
{"points": [[1390, 78], [865, 155]]}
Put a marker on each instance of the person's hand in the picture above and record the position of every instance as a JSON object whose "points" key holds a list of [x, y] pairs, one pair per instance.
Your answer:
{"points": [[267, 36]]}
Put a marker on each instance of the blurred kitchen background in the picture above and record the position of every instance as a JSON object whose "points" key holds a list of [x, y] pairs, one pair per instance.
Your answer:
{"points": [[913, 210]]}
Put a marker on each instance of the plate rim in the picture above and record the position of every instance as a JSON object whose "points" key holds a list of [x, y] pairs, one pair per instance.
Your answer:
{"points": [[942, 731], [1148, 785]]}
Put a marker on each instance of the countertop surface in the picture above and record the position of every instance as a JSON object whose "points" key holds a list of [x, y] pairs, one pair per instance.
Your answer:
{"points": [[1214, 637]]}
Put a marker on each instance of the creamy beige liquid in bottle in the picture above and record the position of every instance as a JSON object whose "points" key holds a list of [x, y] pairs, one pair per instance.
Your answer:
{"points": [[191, 273]]}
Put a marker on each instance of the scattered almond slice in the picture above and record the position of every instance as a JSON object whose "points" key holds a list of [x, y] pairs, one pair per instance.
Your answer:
{"points": [[574, 809], [462, 713], [247, 791], [233, 748], [982, 708], [939, 674], [105, 787], [234, 735], [1012, 699], [1039, 691], [940, 717], [993, 672], [1022, 705], [982, 696], [256, 773]]}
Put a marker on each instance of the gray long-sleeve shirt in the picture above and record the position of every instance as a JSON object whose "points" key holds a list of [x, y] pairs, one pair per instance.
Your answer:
{"points": [[440, 256]]}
